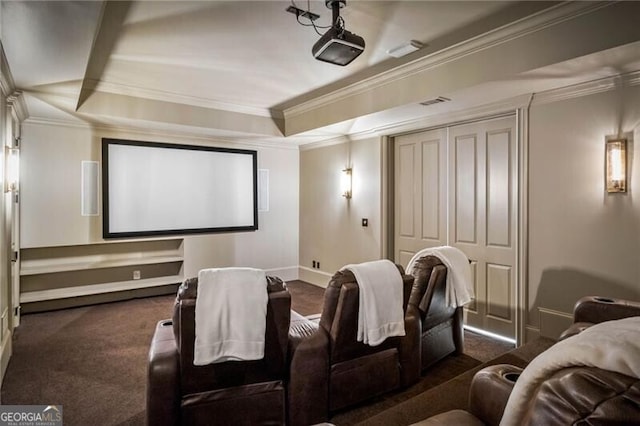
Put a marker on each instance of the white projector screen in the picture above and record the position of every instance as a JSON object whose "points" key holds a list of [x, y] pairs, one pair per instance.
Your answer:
{"points": [[166, 189]]}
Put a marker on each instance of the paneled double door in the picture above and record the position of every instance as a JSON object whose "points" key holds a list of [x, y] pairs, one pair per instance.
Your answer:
{"points": [[458, 186]]}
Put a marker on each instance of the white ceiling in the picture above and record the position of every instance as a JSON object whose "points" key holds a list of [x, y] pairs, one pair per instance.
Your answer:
{"points": [[240, 69]]}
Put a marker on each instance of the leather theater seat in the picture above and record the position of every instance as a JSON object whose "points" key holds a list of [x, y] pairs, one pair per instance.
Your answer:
{"points": [[570, 395], [441, 326], [232, 392], [331, 370]]}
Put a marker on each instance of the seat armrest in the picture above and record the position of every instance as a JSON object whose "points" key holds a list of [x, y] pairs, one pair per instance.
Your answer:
{"points": [[490, 390], [308, 387], [592, 309], [163, 381], [409, 349]]}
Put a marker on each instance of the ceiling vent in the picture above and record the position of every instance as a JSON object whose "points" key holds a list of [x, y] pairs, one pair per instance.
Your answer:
{"points": [[438, 100]]}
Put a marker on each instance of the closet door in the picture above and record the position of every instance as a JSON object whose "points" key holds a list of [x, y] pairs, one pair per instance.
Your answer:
{"points": [[457, 187], [420, 203], [482, 217]]}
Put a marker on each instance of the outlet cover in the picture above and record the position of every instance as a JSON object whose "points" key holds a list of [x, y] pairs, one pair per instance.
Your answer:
{"points": [[136, 275]]}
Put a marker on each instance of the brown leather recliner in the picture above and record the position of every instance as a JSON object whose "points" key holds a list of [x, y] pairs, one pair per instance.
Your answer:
{"points": [[574, 395], [233, 392], [441, 325], [330, 370]]}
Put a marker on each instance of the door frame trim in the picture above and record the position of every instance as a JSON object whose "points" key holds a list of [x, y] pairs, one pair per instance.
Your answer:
{"points": [[517, 108]]}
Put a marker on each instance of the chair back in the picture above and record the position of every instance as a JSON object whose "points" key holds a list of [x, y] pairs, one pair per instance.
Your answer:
{"points": [[441, 325], [429, 292], [340, 316], [228, 374]]}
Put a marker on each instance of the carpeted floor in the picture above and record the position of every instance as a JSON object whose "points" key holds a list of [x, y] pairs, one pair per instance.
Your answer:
{"points": [[306, 299], [92, 361], [451, 395]]}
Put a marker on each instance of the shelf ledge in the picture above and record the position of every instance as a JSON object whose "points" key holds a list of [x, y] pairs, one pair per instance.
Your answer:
{"points": [[70, 267], [88, 290]]}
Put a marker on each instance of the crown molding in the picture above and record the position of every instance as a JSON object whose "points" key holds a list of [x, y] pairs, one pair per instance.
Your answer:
{"points": [[484, 112], [587, 88], [19, 105], [7, 84], [161, 95], [536, 22], [335, 140], [488, 111], [273, 143]]}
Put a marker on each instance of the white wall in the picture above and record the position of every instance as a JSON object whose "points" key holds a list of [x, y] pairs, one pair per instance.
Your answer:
{"points": [[50, 205], [331, 229], [582, 241]]}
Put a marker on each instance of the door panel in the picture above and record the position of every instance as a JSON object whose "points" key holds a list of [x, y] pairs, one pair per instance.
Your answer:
{"points": [[498, 189], [420, 204], [465, 171], [492, 250], [456, 186], [406, 191], [430, 190]]}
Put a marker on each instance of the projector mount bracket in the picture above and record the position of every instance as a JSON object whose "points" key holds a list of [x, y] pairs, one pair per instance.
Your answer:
{"points": [[335, 6]]}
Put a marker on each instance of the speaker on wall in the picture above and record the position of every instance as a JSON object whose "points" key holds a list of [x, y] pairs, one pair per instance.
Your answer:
{"points": [[263, 190], [89, 187]]}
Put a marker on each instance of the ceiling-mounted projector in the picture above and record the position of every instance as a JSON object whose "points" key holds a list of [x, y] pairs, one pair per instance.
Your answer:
{"points": [[338, 46]]}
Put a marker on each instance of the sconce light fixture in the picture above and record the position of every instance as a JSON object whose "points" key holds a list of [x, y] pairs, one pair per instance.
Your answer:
{"points": [[12, 161], [616, 165], [345, 182]]}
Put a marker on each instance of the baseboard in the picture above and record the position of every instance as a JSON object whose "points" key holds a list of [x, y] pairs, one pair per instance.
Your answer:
{"points": [[288, 273], [553, 323], [5, 354], [531, 333], [313, 276]]}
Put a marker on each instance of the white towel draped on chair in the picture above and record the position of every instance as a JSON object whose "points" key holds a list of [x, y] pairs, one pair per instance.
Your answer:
{"points": [[380, 313], [459, 284], [231, 315]]}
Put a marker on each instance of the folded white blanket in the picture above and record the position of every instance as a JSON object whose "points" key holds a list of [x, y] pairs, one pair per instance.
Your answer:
{"points": [[611, 345], [380, 313], [231, 315], [459, 284]]}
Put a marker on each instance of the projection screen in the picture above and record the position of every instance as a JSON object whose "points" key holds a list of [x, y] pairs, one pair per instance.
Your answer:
{"points": [[153, 188]]}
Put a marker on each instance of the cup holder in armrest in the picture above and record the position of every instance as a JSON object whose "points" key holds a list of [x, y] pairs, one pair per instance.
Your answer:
{"points": [[512, 377], [166, 323], [604, 299]]}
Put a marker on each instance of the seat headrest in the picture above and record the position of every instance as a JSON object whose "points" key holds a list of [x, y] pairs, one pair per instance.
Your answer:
{"points": [[189, 288]]}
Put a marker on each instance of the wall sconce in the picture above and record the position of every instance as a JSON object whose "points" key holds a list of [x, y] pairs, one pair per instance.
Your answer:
{"points": [[616, 165], [345, 182], [12, 162]]}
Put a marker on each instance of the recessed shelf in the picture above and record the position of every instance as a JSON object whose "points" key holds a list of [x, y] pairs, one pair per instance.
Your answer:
{"points": [[87, 290], [27, 269], [65, 272]]}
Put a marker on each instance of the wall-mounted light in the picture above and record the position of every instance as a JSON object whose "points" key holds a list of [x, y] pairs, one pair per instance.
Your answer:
{"points": [[345, 183], [616, 165], [12, 162]]}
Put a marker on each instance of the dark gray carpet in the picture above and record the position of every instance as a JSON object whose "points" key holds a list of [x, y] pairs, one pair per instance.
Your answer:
{"points": [[90, 360], [450, 395], [306, 299]]}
